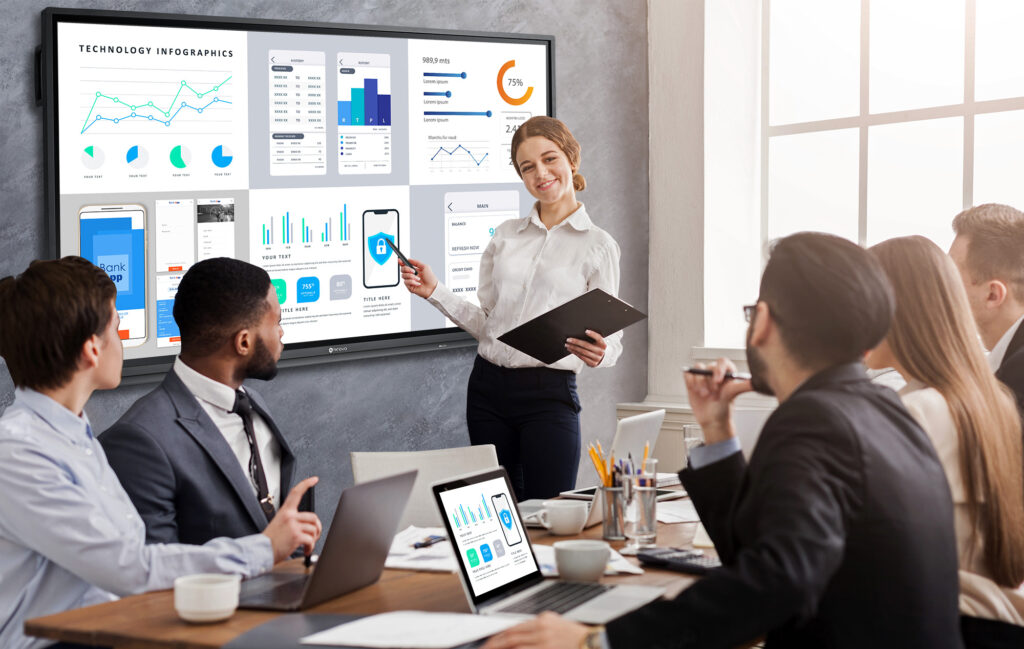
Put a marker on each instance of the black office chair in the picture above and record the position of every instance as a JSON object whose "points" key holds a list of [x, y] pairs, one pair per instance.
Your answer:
{"points": [[980, 633]]}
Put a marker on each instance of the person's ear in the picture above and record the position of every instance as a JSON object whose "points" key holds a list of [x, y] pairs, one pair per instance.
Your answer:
{"points": [[89, 357], [997, 294], [761, 325], [243, 342]]}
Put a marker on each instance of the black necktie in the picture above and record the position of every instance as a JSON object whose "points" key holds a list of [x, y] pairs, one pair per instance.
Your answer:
{"points": [[243, 407]]}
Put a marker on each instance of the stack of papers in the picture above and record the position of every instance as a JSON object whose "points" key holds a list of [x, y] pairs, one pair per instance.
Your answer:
{"points": [[617, 564], [677, 511], [434, 558], [667, 479], [413, 630]]}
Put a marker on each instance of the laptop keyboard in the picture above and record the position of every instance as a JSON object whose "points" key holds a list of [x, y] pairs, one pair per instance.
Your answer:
{"points": [[561, 597]]}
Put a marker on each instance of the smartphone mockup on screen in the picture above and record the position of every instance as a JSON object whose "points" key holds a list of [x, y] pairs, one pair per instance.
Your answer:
{"points": [[508, 526], [114, 238], [380, 266]]}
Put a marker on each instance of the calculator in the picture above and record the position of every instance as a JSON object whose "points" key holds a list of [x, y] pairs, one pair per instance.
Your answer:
{"points": [[689, 561]]}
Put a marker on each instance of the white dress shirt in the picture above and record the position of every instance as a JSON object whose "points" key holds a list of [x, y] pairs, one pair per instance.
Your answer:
{"points": [[995, 357], [979, 595], [217, 401], [69, 535], [528, 270]]}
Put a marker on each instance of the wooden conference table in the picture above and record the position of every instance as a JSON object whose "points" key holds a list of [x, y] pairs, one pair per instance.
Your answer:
{"points": [[148, 621]]}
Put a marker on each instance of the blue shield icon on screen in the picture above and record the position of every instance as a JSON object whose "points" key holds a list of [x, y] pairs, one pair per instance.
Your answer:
{"points": [[380, 251]]}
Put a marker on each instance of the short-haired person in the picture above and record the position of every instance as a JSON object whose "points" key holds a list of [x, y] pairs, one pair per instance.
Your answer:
{"points": [[528, 410], [184, 452], [838, 533], [989, 252], [69, 535], [970, 417]]}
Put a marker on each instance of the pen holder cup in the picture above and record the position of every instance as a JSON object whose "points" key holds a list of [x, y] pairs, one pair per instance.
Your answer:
{"points": [[614, 503]]}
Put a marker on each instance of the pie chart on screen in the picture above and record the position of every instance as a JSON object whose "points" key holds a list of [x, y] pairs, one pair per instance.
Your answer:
{"points": [[137, 157], [222, 156], [180, 157], [92, 157]]}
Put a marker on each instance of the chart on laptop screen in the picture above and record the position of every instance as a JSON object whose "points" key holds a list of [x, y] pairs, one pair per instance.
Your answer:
{"points": [[488, 534]]}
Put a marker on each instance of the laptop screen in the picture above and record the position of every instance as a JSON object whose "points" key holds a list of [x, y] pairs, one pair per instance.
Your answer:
{"points": [[481, 515]]}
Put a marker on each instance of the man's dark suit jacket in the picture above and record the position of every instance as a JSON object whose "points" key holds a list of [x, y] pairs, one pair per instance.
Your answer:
{"points": [[839, 533], [1011, 370], [179, 471]]}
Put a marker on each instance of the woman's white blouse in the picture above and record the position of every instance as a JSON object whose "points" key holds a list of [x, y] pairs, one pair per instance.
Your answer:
{"points": [[527, 270]]}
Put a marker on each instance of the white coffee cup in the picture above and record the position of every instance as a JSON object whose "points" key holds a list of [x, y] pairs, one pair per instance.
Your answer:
{"points": [[581, 559], [564, 517], [206, 597]]}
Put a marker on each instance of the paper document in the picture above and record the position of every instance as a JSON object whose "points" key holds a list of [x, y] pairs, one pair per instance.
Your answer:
{"points": [[701, 538], [677, 511], [617, 564], [413, 630], [438, 557]]}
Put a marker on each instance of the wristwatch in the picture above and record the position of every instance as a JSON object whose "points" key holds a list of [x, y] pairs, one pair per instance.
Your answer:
{"points": [[594, 639]]}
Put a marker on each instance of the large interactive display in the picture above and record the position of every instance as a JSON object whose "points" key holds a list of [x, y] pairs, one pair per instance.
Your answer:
{"points": [[302, 148]]}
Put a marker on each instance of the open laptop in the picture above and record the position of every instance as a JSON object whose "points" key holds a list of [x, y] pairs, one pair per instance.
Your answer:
{"points": [[497, 566], [631, 435], [356, 546]]}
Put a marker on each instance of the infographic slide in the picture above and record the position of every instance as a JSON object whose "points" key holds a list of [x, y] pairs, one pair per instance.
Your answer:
{"points": [[364, 113], [114, 238], [470, 219], [151, 108], [314, 244], [215, 227], [488, 534], [465, 102], [175, 236], [167, 333], [298, 118]]}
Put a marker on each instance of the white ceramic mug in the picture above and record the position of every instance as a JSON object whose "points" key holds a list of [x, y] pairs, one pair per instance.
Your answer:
{"points": [[564, 517], [206, 597], [581, 559]]}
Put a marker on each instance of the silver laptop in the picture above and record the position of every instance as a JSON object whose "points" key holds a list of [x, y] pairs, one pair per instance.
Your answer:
{"points": [[356, 546], [497, 566]]}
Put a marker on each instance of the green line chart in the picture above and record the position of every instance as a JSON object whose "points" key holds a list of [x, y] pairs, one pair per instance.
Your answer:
{"points": [[153, 112]]}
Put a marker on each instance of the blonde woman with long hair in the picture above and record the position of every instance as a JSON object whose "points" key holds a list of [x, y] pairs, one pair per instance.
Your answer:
{"points": [[969, 416]]}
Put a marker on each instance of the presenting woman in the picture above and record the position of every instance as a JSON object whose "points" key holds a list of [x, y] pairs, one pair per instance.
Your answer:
{"points": [[972, 421], [528, 410]]}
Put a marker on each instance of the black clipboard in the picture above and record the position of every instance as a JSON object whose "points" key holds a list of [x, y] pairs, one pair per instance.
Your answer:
{"points": [[544, 337]]}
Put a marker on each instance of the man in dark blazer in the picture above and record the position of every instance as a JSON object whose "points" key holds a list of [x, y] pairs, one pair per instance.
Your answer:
{"points": [[191, 464], [989, 251], [839, 531]]}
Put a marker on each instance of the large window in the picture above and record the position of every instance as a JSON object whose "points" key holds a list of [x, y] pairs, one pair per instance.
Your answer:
{"points": [[876, 119]]}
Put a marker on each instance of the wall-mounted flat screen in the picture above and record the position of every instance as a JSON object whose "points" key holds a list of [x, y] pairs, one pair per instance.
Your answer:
{"points": [[302, 148]]}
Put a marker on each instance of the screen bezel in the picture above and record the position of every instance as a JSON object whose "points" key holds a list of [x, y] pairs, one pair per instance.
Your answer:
{"points": [[492, 595], [353, 348]]}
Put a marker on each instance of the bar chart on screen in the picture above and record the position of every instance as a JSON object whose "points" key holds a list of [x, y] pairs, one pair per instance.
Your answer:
{"points": [[364, 113]]}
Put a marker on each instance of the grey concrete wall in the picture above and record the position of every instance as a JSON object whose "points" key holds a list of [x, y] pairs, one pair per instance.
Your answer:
{"points": [[415, 401]]}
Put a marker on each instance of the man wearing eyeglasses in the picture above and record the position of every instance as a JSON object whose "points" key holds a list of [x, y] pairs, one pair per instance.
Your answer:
{"points": [[200, 455], [838, 533]]}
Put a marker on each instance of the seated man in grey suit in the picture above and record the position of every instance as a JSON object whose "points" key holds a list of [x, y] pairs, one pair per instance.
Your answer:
{"points": [[200, 456]]}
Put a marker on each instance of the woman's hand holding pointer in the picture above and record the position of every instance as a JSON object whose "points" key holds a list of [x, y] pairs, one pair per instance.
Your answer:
{"points": [[422, 284]]}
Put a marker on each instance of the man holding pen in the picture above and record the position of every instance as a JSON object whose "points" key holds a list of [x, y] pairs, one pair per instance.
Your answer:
{"points": [[69, 535], [839, 531]]}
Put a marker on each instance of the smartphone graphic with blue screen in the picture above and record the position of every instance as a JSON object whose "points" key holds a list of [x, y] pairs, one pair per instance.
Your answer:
{"points": [[380, 265], [114, 238], [507, 519]]}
